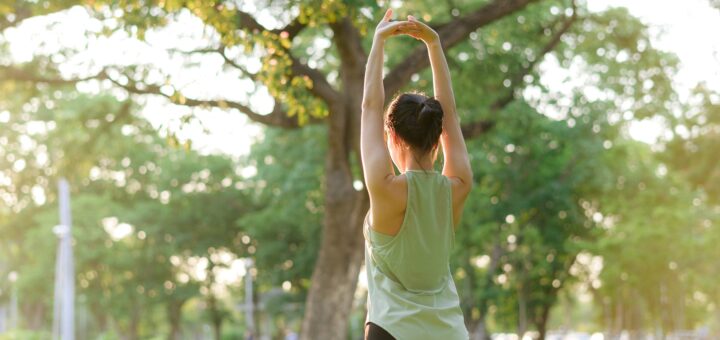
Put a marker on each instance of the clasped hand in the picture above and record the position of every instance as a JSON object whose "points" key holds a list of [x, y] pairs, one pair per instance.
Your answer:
{"points": [[412, 27]]}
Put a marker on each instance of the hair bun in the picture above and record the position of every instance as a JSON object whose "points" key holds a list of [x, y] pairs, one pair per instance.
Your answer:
{"points": [[417, 119], [430, 112]]}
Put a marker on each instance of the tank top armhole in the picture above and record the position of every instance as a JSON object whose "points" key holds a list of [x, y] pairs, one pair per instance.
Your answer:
{"points": [[390, 239], [449, 190]]}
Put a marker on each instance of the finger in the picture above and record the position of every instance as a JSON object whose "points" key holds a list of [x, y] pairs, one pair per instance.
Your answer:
{"points": [[409, 32], [388, 14], [406, 23], [405, 33], [399, 24], [416, 21], [404, 29], [415, 35], [408, 28]]}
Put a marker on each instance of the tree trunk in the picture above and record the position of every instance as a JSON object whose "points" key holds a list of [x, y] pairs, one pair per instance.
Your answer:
{"points": [[34, 316], [717, 319], [134, 324], [619, 322], [542, 322], [215, 316], [480, 331], [100, 317], [174, 315], [337, 268], [522, 311], [334, 278]]}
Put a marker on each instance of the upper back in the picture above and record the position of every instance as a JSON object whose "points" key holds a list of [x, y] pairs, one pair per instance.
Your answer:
{"points": [[417, 256]]}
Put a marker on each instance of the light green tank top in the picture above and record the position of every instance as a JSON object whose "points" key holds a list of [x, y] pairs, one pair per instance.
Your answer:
{"points": [[411, 292]]}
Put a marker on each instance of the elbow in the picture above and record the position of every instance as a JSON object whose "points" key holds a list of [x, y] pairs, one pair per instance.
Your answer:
{"points": [[470, 181], [469, 178], [369, 104]]}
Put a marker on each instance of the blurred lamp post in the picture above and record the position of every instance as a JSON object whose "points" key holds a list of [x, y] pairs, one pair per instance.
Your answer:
{"points": [[64, 307], [13, 319], [249, 306]]}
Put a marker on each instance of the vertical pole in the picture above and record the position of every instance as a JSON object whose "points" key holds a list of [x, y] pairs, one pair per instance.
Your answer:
{"points": [[249, 306], [64, 308], [13, 323], [3, 319], [57, 304], [67, 328]]}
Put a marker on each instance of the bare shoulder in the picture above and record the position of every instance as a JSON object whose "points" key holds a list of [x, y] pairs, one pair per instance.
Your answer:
{"points": [[387, 205]]}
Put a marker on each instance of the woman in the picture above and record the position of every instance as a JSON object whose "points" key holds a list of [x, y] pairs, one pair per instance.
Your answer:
{"points": [[409, 230]]}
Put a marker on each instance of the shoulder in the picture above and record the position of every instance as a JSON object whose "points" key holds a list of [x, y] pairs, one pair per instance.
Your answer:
{"points": [[387, 205], [390, 187]]}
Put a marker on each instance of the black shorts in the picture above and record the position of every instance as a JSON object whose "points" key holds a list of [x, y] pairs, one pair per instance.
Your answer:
{"points": [[375, 332]]}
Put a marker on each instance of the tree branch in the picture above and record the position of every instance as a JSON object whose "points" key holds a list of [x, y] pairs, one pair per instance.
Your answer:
{"points": [[278, 117], [222, 52], [349, 45], [321, 88], [229, 61], [20, 13], [348, 42], [516, 80], [475, 129], [248, 22], [292, 29], [450, 35], [8, 72]]}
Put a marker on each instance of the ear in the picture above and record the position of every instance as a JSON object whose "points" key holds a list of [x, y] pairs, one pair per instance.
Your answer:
{"points": [[389, 136]]}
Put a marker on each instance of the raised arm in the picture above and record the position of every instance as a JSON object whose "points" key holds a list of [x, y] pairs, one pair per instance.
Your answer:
{"points": [[376, 161], [457, 161]]}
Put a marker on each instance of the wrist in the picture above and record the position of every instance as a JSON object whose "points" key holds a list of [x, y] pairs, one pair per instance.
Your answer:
{"points": [[434, 41], [378, 39]]}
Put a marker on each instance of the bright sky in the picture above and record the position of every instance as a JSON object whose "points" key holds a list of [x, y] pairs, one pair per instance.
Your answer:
{"points": [[676, 27]]}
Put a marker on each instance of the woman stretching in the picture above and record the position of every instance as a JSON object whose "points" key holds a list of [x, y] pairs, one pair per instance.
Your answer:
{"points": [[409, 230]]}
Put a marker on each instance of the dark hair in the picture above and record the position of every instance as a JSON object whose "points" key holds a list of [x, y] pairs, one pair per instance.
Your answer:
{"points": [[416, 119]]}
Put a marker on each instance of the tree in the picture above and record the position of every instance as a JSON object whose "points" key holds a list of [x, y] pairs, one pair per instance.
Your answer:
{"points": [[656, 251], [138, 202]]}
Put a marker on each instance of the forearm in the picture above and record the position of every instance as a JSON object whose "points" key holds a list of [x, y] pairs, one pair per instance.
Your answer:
{"points": [[374, 92]]}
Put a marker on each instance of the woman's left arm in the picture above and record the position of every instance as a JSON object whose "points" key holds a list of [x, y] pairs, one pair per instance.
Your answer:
{"points": [[376, 161]]}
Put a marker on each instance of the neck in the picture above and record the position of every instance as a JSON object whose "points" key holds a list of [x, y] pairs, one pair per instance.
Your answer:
{"points": [[416, 163]]}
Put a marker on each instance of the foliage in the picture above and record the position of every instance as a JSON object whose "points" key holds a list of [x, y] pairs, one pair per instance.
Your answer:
{"points": [[557, 177]]}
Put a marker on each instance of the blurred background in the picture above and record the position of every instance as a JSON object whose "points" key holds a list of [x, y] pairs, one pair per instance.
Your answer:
{"points": [[210, 152]]}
